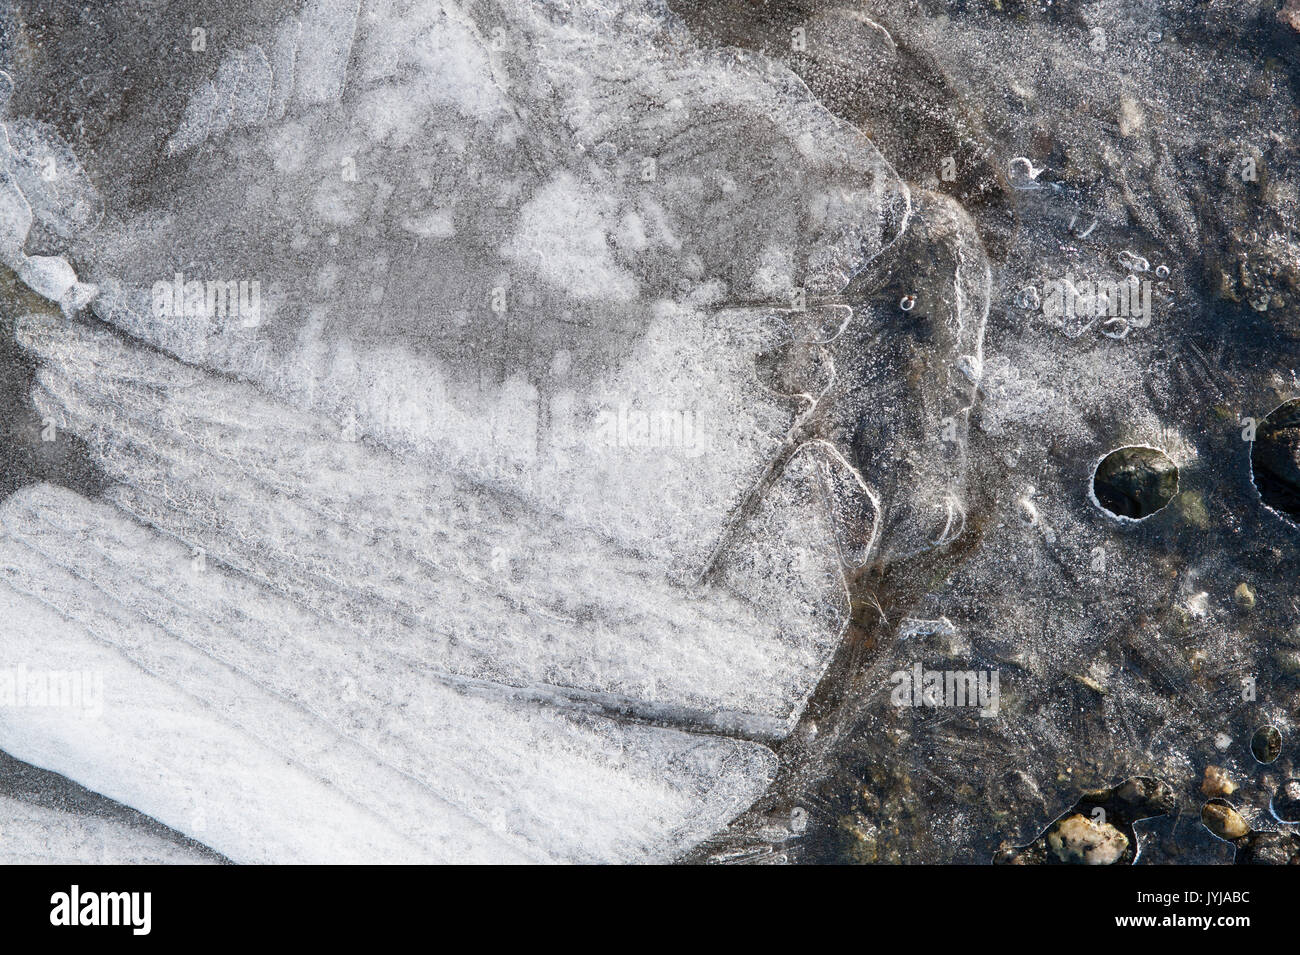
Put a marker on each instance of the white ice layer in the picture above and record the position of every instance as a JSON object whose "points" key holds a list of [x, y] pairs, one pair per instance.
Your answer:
{"points": [[437, 571], [235, 717], [42, 835], [490, 478]]}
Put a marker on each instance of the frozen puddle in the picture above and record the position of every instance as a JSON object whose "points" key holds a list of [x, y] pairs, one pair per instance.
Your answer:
{"points": [[466, 528]]}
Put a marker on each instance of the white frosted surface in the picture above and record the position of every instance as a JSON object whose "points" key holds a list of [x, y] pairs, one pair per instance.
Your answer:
{"points": [[269, 736]]}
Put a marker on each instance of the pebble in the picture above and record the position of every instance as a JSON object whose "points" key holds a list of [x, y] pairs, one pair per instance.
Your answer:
{"points": [[1224, 821], [1217, 783], [1079, 840]]}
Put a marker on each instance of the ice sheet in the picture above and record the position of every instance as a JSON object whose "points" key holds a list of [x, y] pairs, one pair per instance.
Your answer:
{"points": [[271, 736]]}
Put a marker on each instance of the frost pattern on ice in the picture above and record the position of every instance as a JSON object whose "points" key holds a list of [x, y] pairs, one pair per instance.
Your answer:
{"points": [[447, 575], [292, 740], [502, 436], [42, 835], [26, 159]]}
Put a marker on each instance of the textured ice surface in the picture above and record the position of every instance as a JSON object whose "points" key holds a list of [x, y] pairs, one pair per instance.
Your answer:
{"points": [[49, 276], [233, 715], [42, 835], [1085, 141], [565, 361], [467, 412], [432, 570]]}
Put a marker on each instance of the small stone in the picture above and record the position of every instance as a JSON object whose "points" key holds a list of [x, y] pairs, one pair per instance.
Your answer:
{"points": [[1149, 796], [1244, 596], [1008, 854], [1090, 683], [1224, 821], [861, 839], [1290, 14], [1079, 840], [1217, 783]]}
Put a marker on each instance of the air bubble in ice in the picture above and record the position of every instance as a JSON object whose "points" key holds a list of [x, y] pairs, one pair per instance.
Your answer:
{"points": [[1022, 174], [1133, 262], [1029, 298], [1115, 328], [1285, 804], [1134, 482], [1275, 459], [1266, 744]]}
